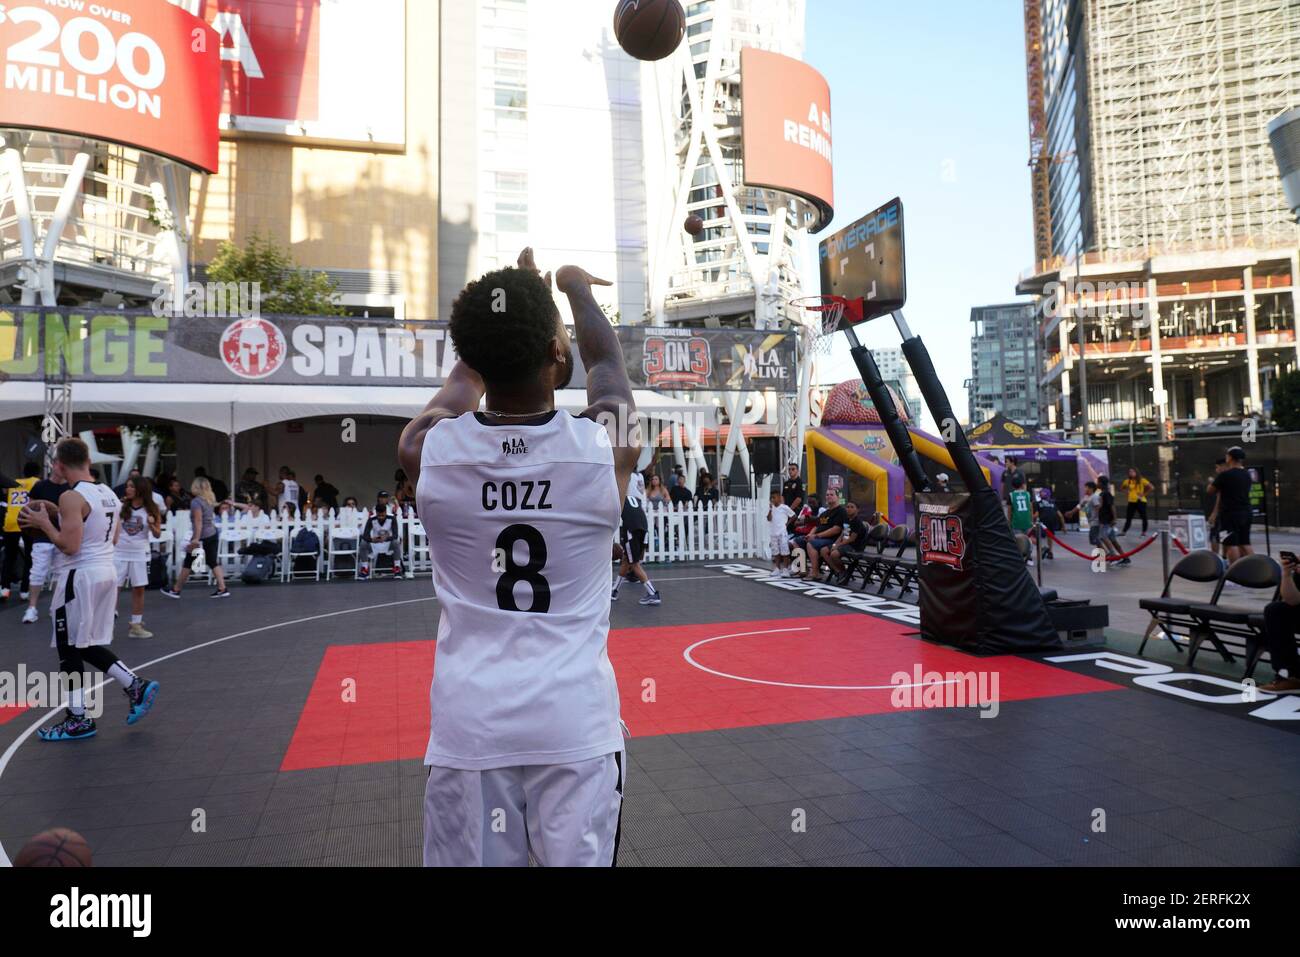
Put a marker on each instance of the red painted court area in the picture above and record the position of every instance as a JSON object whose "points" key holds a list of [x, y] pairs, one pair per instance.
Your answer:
{"points": [[10, 711], [371, 702]]}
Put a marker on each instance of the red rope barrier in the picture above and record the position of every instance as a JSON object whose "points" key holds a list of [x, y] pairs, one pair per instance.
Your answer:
{"points": [[1179, 545], [1109, 558]]}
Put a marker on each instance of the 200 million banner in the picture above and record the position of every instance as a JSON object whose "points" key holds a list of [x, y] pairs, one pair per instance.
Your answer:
{"points": [[39, 344]]}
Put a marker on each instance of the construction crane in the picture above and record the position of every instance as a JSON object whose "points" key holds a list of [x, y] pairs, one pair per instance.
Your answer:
{"points": [[1039, 165]]}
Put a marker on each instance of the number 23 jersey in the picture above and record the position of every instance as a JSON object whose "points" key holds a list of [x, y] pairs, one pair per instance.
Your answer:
{"points": [[520, 520]]}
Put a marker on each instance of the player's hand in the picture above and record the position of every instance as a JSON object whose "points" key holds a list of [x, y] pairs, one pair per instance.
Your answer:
{"points": [[574, 278], [32, 516], [526, 261]]}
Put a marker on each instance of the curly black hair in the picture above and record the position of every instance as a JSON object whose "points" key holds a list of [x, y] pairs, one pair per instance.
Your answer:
{"points": [[502, 324]]}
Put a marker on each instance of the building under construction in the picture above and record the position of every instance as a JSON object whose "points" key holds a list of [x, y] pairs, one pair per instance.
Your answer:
{"points": [[1160, 223]]}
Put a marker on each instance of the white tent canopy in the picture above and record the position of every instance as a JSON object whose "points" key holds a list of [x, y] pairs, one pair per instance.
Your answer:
{"points": [[239, 408]]}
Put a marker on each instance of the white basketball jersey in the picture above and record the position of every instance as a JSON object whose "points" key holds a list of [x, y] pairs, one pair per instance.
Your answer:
{"points": [[97, 528], [520, 520], [290, 494], [133, 540]]}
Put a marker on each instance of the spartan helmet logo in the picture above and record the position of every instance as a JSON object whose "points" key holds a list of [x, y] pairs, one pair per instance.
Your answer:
{"points": [[252, 348]]}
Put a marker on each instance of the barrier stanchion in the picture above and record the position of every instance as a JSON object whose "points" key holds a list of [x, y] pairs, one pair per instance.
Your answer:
{"points": [[1164, 554], [1038, 548]]}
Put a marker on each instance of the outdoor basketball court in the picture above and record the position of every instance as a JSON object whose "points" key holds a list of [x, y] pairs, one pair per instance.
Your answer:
{"points": [[292, 722]]}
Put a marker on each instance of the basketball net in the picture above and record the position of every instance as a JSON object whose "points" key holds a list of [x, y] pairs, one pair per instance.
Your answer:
{"points": [[822, 318]]}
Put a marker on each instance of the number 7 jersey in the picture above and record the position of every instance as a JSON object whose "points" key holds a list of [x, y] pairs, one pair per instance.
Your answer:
{"points": [[521, 519]]}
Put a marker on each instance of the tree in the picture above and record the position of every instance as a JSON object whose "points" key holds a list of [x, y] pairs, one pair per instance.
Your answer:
{"points": [[285, 288], [1286, 402]]}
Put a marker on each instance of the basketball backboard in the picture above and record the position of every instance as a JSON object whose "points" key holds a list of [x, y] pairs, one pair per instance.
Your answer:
{"points": [[865, 261]]}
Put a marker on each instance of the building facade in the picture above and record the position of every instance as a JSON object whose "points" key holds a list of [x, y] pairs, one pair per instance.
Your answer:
{"points": [[896, 372], [1004, 363], [1169, 246]]}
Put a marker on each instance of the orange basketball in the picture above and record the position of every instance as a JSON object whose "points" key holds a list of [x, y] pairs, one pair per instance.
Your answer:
{"points": [[649, 29], [693, 225], [58, 847]]}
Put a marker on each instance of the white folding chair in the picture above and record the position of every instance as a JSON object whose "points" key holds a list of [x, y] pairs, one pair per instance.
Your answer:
{"points": [[342, 543], [315, 555], [419, 557]]}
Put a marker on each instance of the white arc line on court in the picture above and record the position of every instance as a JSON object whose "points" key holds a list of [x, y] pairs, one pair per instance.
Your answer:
{"points": [[781, 684], [45, 716]]}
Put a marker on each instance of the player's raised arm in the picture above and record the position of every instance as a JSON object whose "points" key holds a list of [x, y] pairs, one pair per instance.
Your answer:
{"points": [[461, 393], [609, 391]]}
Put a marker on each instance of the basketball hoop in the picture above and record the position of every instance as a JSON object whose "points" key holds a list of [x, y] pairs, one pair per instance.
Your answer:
{"points": [[826, 315]]}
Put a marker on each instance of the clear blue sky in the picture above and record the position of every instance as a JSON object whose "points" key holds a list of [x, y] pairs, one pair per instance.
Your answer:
{"points": [[928, 103]]}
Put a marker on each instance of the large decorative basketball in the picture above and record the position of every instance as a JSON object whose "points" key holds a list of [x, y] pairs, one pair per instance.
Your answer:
{"points": [[693, 225], [649, 29], [850, 404], [58, 847]]}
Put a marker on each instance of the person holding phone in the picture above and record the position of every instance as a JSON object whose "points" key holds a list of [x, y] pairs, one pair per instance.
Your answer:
{"points": [[1281, 621]]}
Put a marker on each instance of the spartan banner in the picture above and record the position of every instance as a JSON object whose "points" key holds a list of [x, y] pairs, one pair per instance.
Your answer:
{"points": [[36, 344]]}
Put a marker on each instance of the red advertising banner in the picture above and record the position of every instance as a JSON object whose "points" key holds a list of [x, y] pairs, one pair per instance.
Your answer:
{"points": [[138, 72], [270, 57], [786, 128]]}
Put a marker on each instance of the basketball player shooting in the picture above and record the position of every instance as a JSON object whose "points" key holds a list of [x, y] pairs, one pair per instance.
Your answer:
{"points": [[521, 503]]}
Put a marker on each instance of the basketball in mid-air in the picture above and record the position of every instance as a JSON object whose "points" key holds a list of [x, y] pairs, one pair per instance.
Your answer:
{"points": [[58, 847], [649, 29], [693, 225]]}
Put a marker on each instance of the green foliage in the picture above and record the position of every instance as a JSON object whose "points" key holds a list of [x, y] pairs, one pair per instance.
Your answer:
{"points": [[285, 289], [1286, 402]]}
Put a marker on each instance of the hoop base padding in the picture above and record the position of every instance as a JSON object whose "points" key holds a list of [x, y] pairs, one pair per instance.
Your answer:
{"points": [[976, 592]]}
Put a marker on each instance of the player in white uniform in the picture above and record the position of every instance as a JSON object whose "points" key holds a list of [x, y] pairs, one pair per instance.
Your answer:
{"points": [[85, 593], [632, 535], [521, 503], [139, 522]]}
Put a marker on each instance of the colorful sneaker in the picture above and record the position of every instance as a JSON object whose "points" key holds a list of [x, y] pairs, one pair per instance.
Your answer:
{"points": [[651, 599], [71, 728], [168, 593], [137, 630], [30, 616], [141, 695]]}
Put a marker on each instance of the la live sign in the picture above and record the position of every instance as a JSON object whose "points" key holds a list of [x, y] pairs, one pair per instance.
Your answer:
{"points": [[143, 73]]}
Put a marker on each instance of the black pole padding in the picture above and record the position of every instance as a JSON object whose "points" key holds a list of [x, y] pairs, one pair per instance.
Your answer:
{"points": [[936, 399], [895, 428]]}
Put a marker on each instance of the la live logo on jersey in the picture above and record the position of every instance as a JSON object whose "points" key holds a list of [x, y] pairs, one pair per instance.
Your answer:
{"points": [[253, 348]]}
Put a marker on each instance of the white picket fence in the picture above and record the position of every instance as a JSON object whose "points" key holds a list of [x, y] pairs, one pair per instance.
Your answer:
{"points": [[735, 528]]}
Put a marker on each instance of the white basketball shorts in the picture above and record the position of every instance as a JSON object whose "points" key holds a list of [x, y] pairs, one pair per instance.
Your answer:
{"points": [[84, 601], [565, 815], [781, 544], [132, 571]]}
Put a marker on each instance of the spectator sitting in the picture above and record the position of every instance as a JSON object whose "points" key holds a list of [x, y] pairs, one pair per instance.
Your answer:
{"points": [[850, 544], [805, 522], [679, 494], [830, 524], [177, 499], [1281, 621], [380, 534]]}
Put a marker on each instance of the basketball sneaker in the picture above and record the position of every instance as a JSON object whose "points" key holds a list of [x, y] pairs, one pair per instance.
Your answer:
{"points": [[137, 630], [141, 695], [71, 728], [651, 599], [220, 593], [30, 616], [168, 593]]}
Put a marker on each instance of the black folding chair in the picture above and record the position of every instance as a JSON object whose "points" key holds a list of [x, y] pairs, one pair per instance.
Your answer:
{"points": [[861, 562], [1171, 613], [1216, 620]]}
